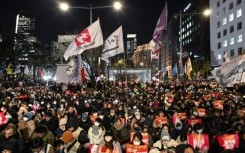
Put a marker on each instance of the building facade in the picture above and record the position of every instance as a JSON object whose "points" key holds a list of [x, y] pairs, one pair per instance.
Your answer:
{"points": [[226, 29], [24, 39], [168, 55]]}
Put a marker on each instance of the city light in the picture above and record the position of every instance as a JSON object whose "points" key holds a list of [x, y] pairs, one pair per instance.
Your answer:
{"points": [[64, 6], [117, 5], [207, 12]]}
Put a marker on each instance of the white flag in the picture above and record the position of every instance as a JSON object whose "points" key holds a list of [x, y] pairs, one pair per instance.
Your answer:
{"points": [[17, 69], [31, 70], [113, 45], [26, 71], [70, 67], [90, 37]]}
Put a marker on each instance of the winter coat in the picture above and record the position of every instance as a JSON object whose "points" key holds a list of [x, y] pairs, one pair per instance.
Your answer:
{"points": [[15, 142], [52, 125], [95, 139], [116, 145], [26, 129], [158, 146], [121, 133], [48, 137], [71, 147]]}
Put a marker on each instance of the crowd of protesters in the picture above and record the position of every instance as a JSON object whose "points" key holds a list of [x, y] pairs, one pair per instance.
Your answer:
{"points": [[70, 118]]}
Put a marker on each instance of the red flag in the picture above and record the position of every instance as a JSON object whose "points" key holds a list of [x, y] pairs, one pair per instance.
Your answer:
{"points": [[83, 78], [41, 72]]}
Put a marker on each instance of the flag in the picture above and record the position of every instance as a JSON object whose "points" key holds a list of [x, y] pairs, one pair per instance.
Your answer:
{"points": [[9, 70], [90, 37], [113, 45], [70, 68], [85, 71], [17, 69], [41, 72], [175, 70], [77, 67], [26, 71], [188, 68], [226, 58], [161, 24], [163, 69]]}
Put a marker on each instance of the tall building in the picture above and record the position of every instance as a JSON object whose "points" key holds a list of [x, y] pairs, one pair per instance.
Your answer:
{"points": [[24, 39], [131, 47], [168, 55], [226, 29], [195, 33]]}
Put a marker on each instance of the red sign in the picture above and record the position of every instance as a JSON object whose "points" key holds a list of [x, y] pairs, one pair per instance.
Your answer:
{"points": [[201, 112], [2, 118], [218, 104], [130, 148], [92, 148], [92, 118], [182, 116], [176, 118], [144, 135], [192, 122], [161, 120], [200, 141], [21, 97], [229, 141]]}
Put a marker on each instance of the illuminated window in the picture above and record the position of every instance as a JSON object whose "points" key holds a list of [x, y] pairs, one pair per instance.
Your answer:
{"points": [[225, 43], [232, 41], [239, 13], [224, 21], [231, 17], [239, 38]]}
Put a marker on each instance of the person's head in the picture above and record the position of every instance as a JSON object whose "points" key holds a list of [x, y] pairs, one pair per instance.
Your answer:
{"points": [[120, 108], [62, 124], [198, 128], [112, 112], [108, 136], [165, 127], [184, 148], [71, 109], [137, 115], [118, 121], [41, 130], [37, 145], [137, 139], [9, 131], [48, 116], [97, 122], [240, 112], [165, 137], [71, 125]]}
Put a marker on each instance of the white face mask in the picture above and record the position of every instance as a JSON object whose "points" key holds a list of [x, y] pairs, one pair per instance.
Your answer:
{"points": [[42, 102], [48, 106], [112, 114], [101, 117], [136, 143], [199, 131], [25, 119], [108, 138], [195, 113], [96, 124], [2, 109], [55, 102]]}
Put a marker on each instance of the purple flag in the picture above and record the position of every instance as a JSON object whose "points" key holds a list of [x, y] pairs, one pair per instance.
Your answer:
{"points": [[161, 24]]}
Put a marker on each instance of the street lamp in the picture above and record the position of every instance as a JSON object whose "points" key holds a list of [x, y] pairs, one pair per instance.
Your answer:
{"points": [[206, 12], [65, 7]]}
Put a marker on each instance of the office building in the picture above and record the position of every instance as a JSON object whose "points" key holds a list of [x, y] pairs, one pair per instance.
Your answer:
{"points": [[227, 33]]}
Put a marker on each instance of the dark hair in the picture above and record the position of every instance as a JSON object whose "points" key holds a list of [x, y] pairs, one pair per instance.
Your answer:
{"points": [[37, 143], [41, 129], [139, 136]]}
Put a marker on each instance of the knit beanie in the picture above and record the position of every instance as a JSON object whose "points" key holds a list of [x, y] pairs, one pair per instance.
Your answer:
{"points": [[63, 121], [67, 137]]}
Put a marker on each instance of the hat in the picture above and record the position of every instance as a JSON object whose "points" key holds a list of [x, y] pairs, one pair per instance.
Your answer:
{"points": [[63, 121], [108, 133], [177, 123], [28, 115], [165, 135], [67, 137], [49, 114], [84, 116]]}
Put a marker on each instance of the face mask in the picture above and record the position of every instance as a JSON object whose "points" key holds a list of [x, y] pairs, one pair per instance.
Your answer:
{"points": [[48, 106], [42, 102], [95, 114], [2, 109], [199, 131], [55, 102], [108, 138], [96, 124], [195, 113], [112, 114], [136, 143], [25, 119], [179, 127]]}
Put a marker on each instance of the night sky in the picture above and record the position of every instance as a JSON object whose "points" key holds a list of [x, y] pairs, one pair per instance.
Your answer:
{"points": [[137, 16]]}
